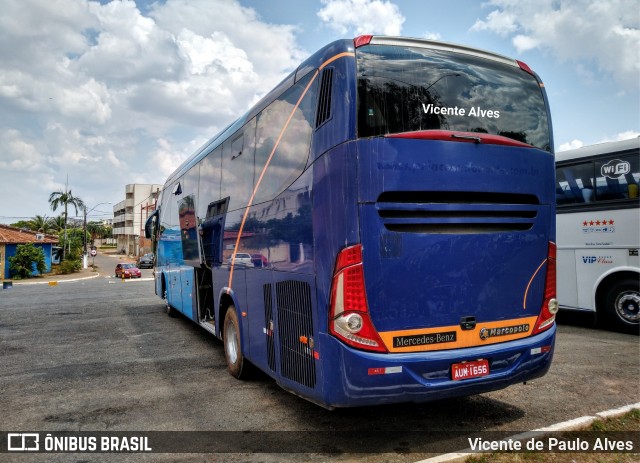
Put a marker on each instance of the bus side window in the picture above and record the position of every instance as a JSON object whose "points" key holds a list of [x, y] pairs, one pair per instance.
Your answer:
{"points": [[237, 173], [290, 126], [576, 183], [212, 230], [209, 183], [620, 181]]}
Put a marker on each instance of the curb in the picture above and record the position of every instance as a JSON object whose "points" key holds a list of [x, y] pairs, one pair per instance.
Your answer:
{"points": [[54, 282], [571, 425]]}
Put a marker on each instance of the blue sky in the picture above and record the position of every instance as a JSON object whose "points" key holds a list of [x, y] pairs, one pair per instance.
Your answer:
{"points": [[116, 92]]}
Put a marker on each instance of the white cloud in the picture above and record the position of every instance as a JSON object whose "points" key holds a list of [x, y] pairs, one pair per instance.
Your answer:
{"points": [[607, 33], [622, 136], [18, 153], [572, 145], [499, 22], [36, 33], [128, 46], [215, 53], [433, 36], [109, 95], [164, 156], [362, 16], [271, 48], [524, 43]]}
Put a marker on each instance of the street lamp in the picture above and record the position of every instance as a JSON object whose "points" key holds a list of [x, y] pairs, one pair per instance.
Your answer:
{"points": [[85, 263]]}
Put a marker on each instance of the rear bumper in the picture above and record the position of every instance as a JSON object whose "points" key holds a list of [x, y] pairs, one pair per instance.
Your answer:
{"points": [[357, 378]]}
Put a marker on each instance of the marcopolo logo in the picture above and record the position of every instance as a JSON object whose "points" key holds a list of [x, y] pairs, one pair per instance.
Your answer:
{"points": [[486, 333], [615, 168]]}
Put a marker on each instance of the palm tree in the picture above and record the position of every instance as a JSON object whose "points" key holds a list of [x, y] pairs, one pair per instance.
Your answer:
{"points": [[57, 223], [41, 223], [65, 198]]}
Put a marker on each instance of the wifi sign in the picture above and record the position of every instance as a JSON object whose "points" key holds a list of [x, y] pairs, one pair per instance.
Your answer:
{"points": [[615, 168]]}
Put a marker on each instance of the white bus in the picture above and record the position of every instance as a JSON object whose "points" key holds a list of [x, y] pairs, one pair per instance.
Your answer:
{"points": [[598, 232]]}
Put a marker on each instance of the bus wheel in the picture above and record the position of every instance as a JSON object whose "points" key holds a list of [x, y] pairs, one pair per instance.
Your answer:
{"points": [[622, 305], [237, 364], [170, 310]]}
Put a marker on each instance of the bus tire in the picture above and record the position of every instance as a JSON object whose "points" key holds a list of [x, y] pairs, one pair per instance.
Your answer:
{"points": [[170, 310], [622, 306], [237, 364]]}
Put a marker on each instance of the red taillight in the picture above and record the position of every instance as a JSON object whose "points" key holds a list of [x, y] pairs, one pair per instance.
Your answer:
{"points": [[349, 318], [348, 257], [362, 40], [550, 305]]}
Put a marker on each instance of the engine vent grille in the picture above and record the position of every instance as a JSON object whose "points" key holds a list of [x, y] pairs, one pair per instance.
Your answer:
{"points": [[456, 212], [295, 329], [324, 99]]}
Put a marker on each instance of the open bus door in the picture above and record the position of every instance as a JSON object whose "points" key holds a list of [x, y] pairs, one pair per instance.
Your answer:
{"points": [[151, 230]]}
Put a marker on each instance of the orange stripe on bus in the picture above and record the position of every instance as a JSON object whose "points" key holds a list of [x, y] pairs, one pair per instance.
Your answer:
{"points": [[462, 338], [333, 58], [275, 147], [264, 169], [526, 291]]}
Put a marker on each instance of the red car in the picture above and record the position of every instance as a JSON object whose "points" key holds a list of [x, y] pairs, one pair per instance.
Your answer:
{"points": [[128, 270], [259, 260]]}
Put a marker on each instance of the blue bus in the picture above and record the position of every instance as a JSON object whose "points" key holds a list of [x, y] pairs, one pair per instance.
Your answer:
{"points": [[378, 229]]}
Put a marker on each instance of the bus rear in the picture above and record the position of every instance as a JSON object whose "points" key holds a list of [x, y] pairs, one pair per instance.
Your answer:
{"points": [[449, 289]]}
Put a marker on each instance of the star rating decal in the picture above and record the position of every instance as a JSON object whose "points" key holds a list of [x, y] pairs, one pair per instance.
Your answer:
{"points": [[591, 223]]}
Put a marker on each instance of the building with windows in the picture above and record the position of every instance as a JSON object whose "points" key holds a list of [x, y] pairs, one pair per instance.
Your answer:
{"points": [[11, 237], [130, 215]]}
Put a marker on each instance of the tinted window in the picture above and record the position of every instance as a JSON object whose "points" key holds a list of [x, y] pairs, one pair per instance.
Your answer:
{"points": [[409, 89], [209, 186], [614, 178], [237, 171], [289, 126], [165, 211]]}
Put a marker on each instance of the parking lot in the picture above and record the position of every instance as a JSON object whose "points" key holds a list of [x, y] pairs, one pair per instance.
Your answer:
{"points": [[102, 355]]}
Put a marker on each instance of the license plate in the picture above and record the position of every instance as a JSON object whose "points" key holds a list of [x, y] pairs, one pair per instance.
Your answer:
{"points": [[467, 370]]}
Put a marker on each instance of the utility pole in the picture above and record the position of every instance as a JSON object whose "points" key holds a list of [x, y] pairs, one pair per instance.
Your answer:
{"points": [[84, 235], [85, 256]]}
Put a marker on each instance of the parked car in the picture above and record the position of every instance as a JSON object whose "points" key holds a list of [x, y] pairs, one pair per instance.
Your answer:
{"points": [[127, 270], [259, 260], [146, 261], [242, 259]]}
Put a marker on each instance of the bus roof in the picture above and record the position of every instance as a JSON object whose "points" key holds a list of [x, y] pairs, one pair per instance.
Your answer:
{"points": [[599, 148], [445, 46]]}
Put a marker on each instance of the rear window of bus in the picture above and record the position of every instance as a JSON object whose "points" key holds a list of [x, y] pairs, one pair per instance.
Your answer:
{"points": [[403, 89]]}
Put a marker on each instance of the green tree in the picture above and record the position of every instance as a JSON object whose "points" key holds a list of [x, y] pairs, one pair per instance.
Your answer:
{"points": [[74, 242], [41, 224], [65, 198], [98, 230], [26, 224], [28, 257], [57, 224]]}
